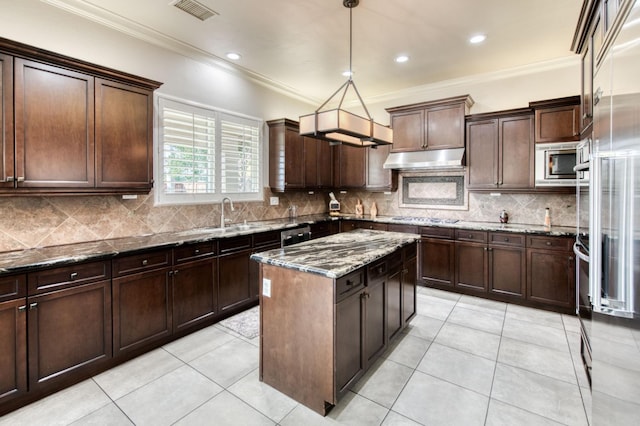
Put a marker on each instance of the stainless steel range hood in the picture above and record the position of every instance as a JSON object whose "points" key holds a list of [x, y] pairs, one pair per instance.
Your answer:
{"points": [[435, 159]]}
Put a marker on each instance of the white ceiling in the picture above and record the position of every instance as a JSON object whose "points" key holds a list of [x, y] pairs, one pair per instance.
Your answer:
{"points": [[302, 45]]}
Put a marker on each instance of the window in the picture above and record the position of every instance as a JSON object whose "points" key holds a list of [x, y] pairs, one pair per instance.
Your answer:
{"points": [[205, 154]]}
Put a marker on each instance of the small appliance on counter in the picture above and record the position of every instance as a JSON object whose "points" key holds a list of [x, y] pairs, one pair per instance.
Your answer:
{"points": [[334, 205]]}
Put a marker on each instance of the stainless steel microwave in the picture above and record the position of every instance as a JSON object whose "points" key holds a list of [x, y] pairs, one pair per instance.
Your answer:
{"points": [[554, 163]]}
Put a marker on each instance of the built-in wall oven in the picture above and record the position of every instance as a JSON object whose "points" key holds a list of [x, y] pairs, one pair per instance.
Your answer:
{"points": [[554, 164], [581, 249]]}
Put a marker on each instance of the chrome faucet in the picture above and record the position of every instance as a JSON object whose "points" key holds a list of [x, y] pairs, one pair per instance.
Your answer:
{"points": [[222, 219]]}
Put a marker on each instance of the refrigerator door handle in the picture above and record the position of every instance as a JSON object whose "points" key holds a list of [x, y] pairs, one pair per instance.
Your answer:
{"points": [[578, 252]]}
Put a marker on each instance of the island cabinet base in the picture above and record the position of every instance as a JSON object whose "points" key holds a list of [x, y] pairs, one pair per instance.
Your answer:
{"points": [[319, 335], [297, 336]]}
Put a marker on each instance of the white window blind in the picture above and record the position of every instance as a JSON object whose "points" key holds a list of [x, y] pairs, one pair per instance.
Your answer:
{"points": [[205, 155]]}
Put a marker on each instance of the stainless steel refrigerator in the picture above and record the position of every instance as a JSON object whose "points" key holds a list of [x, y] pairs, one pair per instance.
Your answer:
{"points": [[609, 293]]}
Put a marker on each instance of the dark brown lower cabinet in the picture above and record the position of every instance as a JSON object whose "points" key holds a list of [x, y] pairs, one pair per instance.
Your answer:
{"points": [[68, 330], [507, 267], [375, 319], [13, 355], [437, 266], [193, 293], [141, 310], [471, 267], [234, 287], [349, 332], [551, 278], [409, 281]]}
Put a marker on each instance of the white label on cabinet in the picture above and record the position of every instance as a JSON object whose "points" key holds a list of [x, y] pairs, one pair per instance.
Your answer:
{"points": [[266, 287]]}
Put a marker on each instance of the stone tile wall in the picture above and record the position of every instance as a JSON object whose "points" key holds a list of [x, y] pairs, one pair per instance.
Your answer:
{"points": [[29, 222]]}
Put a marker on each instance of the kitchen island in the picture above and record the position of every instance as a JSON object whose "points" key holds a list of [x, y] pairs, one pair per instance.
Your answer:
{"points": [[329, 308]]}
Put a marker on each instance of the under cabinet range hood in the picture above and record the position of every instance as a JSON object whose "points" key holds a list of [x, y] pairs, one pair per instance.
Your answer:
{"points": [[433, 159]]}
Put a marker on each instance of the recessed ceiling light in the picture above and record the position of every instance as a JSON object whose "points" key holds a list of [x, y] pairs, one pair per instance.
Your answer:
{"points": [[233, 56], [477, 38], [402, 58]]}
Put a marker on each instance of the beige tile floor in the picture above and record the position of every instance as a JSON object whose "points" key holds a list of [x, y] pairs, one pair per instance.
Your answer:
{"points": [[462, 361]]}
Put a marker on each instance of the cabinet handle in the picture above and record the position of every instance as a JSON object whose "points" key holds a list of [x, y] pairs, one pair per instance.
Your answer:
{"points": [[9, 178], [380, 270], [170, 273], [349, 283], [73, 276], [176, 272], [196, 251], [470, 236], [144, 262], [22, 308], [548, 243], [20, 178], [33, 306], [506, 239]]}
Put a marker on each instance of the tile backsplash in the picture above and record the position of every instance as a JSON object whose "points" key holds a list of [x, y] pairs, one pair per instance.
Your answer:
{"points": [[30, 222]]}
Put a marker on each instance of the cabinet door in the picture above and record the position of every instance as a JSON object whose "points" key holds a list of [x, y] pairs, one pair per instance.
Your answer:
{"points": [[471, 267], [507, 271], [444, 127], [516, 152], [378, 178], [349, 342], [437, 262], [394, 300], [375, 320], [408, 131], [54, 126], [551, 278], [318, 164], [234, 287], [7, 173], [193, 293], [124, 136], [409, 289], [13, 356], [141, 309], [69, 330], [293, 160], [482, 154], [559, 124], [349, 166]]}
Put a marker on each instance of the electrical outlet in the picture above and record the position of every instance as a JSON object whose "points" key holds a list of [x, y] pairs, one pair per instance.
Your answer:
{"points": [[274, 201], [266, 287]]}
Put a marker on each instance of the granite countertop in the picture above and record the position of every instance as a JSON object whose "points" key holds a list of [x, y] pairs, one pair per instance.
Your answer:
{"points": [[24, 260], [337, 255]]}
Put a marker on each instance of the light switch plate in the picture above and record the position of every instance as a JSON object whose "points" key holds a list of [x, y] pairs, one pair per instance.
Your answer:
{"points": [[274, 201], [266, 287]]}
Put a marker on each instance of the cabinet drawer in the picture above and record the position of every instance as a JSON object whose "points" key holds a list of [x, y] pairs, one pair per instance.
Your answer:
{"points": [[237, 243], [194, 251], [349, 283], [436, 232], [67, 276], [266, 238], [13, 287], [377, 226], [551, 243], [476, 236], [507, 239], [396, 227], [376, 270], [141, 262]]}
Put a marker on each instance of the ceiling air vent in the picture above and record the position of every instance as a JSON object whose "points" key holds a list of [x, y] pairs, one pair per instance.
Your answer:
{"points": [[196, 9]]}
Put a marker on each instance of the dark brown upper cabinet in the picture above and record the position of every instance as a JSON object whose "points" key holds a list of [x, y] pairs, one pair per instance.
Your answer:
{"points": [[557, 120], [286, 156], [72, 127], [500, 151], [430, 125]]}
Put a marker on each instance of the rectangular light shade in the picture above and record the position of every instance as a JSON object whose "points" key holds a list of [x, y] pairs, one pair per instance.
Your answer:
{"points": [[340, 125]]}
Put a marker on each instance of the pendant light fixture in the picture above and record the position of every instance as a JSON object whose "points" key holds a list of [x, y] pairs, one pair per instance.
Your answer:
{"points": [[340, 126]]}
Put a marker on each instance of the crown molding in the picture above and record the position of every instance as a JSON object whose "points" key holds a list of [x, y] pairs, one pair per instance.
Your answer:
{"points": [[133, 29]]}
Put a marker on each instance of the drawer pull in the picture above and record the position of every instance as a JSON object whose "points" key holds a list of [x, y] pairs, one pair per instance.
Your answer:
{"points": [[349, 283], [73, 276], [22, 308], [548, 243], [380, 270], [506, 239], [470, 236], [196, 251], [33, 306], [145, 262]]}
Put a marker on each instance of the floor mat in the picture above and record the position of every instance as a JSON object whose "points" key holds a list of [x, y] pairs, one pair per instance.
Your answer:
{"points": [[246, 323]]}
